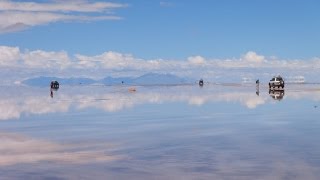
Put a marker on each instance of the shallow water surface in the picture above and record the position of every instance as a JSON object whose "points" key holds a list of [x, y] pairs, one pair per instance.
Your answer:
{"points": [[218, 131]]}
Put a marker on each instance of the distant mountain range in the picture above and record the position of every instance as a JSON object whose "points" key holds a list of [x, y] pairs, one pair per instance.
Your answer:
{"points": [[146, 79]]}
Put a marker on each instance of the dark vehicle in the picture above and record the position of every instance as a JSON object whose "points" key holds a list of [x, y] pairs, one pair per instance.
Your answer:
{"points": [[276, 81], [54, 85], [277, 94], [201, 82]]}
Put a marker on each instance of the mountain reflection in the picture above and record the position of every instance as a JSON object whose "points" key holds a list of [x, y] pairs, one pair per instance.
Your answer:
{"points": [[111, 99]]}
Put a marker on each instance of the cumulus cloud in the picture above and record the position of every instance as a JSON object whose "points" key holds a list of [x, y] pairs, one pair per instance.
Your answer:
{"points": [[16, 16], [107, 60], [253, 57], [196, 60], [44, 59], [116, 60], [9, 55], [247, 66]]}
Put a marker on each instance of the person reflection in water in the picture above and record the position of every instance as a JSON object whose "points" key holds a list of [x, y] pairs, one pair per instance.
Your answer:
{"points": [[257, 87]]}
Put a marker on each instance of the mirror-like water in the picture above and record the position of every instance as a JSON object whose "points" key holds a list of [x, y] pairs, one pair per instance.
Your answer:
{"points": [[218, 131]]}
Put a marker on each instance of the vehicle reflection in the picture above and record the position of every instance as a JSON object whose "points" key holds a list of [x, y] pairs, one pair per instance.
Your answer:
{"points": [[117, 98], [54, 86], [51, 91], [277, 94]]}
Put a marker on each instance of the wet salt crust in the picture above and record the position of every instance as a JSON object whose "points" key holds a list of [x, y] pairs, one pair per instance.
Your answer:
{"points": [[218, 131]]}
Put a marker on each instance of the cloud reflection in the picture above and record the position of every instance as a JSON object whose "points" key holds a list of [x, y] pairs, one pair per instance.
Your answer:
{"points": [[13, 108], [18, 149], [112, 99]]}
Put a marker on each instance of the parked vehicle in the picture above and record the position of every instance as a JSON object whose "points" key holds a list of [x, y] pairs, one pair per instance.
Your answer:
{"points": [[54, 85], [276, 81]]}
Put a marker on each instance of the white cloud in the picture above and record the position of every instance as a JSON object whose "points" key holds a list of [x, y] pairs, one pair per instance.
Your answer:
{"points": [[16, 16], [118, 61], [253, 57], [113, 60], [251, 65], [109, 60], [9, 55], [85, 62], [64, 6], [44, 59], [196, 60]]}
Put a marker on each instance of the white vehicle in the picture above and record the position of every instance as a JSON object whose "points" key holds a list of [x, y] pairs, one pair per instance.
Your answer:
{"points": [[276, 82]]}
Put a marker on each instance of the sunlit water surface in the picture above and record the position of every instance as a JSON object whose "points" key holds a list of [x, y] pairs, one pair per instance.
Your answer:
{"points": [[218, 131]]}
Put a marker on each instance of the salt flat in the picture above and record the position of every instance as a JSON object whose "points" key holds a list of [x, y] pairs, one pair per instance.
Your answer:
{"points": [[218, 131]]}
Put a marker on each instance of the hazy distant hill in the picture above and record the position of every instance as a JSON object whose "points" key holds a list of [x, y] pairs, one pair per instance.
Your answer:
{"points": [[112, 81], [153, 78], [147, 79]]}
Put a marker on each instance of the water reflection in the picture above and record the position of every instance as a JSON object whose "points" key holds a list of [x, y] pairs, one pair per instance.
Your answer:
{"points": [[111, 99], [54, 86], [277, 94], [52, 90], [189, 133], [20, 149], [201, 82], [257, 88]]}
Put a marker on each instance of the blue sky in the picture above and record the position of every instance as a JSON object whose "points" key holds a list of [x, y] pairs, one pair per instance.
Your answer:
{"points": [[187, 38], [178, 29]]}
